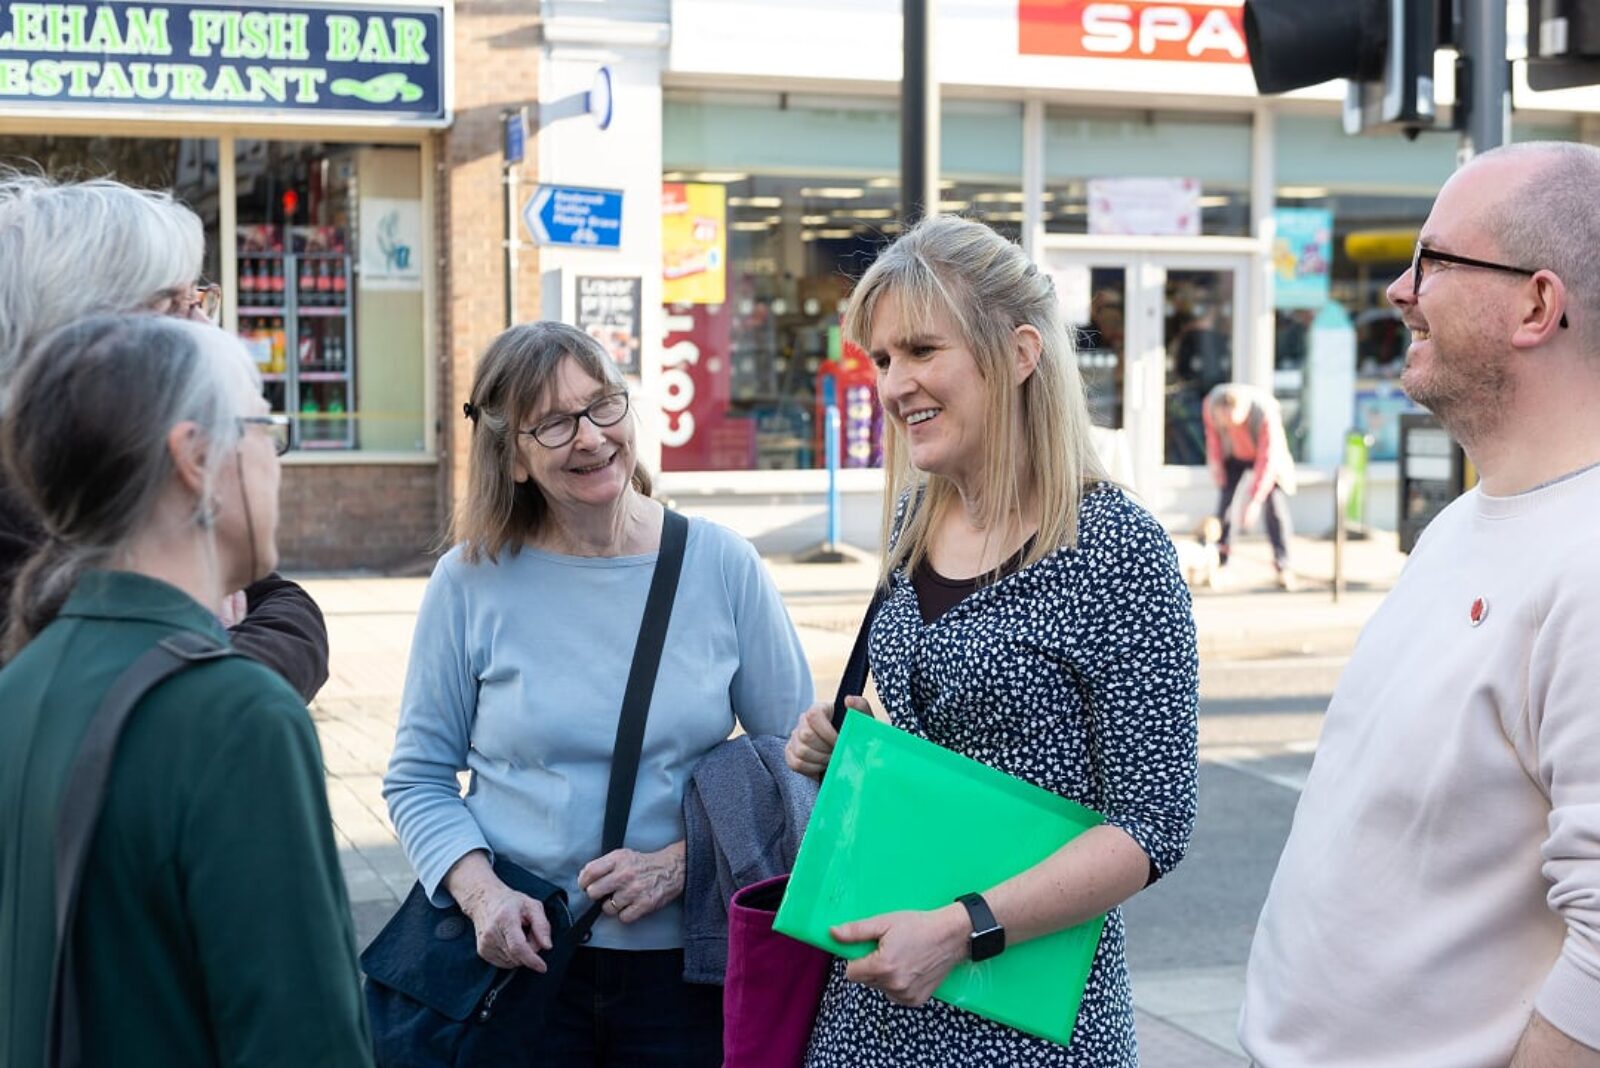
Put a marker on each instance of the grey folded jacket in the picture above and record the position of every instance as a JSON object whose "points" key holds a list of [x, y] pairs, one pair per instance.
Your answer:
{"points": [[744, 813]]}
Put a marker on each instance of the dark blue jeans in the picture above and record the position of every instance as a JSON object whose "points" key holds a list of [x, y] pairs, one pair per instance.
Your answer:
{"points": [[1275, 511], [632, 1009]]}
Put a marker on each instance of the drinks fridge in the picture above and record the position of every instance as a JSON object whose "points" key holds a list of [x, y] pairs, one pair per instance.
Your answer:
{"points": [[295, 316]]}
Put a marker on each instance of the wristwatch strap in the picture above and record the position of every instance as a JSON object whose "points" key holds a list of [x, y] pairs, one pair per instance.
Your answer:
{"points": [[988, 937]]}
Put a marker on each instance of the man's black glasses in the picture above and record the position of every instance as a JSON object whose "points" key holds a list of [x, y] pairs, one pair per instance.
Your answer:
{"points": [[1420, 253]]}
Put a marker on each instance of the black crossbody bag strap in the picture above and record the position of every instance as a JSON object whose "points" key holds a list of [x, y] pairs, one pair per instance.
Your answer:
{"points": [[80, 812], [636, 697], [855, 670]]}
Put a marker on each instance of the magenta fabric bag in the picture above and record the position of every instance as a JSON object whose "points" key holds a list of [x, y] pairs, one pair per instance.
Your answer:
{"points": [[773, 987]]}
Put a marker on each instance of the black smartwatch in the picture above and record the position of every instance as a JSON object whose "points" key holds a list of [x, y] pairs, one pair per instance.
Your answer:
{"points": [[988, 938]]}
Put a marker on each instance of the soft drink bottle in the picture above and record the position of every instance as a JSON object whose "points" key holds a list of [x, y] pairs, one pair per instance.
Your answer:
{"points": [[324, 283], [308, 346], [275, 278], [335, 427], [310, 419], [340, 285], [308, 282], [247, 281]]}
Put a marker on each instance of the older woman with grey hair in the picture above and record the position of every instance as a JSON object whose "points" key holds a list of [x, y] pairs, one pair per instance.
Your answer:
{"points": [[212, 925], [69, 250]]}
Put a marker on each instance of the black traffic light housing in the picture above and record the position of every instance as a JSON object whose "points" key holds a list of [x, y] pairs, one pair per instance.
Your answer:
{"points": [[1563, 43], [1384, 47]]}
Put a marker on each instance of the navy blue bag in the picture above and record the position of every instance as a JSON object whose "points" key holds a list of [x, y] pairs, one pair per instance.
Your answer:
{"points": [[432, 1001]]}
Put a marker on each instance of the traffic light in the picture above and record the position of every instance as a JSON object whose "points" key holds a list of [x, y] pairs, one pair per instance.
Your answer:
{"points": [[1384, 47], [1563, 43]]}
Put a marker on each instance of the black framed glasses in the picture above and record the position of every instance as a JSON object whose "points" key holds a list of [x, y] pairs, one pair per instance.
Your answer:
{"points": [[277, 426], [1420, 253], [554, 431]]}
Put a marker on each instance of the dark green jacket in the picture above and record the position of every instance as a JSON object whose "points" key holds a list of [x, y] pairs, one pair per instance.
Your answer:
{"points": [[213, 927]]}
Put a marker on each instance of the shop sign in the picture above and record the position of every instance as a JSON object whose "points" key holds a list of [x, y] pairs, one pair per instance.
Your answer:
{"points": [[1302, 257], [1150, 207], [694, 243], [581, 218], [609, 310], [351, 63], [696, 386], [1135, 29]]}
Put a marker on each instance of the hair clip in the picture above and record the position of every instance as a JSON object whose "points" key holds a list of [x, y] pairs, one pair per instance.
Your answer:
{"points": [[471, 411]]}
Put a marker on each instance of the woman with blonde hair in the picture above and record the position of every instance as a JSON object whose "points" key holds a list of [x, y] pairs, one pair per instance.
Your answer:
{"points": [[517, 674], [1034, 619]]}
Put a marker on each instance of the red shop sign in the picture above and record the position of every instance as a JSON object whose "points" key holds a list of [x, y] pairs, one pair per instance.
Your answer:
{"points": [[1136, 29]]}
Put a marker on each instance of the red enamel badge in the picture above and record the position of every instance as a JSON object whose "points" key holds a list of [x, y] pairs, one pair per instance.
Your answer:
{"points": [[1480, 608]]}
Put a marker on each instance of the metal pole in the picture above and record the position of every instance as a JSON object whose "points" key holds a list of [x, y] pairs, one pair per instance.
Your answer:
{"points": [[919, 115], [1488, 96], [1341, 489], [830, 452], [508, 176]]}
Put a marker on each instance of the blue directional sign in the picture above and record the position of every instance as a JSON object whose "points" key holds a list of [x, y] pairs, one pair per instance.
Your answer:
{"points": [[568, 215]]}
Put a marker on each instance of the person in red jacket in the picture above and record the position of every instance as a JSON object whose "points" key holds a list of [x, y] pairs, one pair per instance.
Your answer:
{"points": [[1244, 434]]}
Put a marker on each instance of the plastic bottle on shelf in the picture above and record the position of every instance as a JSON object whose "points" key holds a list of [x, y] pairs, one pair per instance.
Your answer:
{"points": [[335, 351], [279, 343], [275, 281], [324, 283], [250, 334], [308, 346], [334, 426], [310, 419], [247, 281], [341, 285], [308, 282]]}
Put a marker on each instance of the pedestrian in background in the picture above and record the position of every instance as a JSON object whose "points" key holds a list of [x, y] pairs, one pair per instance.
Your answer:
{"points": [[1035, 621], [212, 925], [517, 672], [70, 250], [1245, 436], [1438, 900]]}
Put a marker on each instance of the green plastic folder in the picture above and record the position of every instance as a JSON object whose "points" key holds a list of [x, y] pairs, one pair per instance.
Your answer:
{"points": [[902, 823]]}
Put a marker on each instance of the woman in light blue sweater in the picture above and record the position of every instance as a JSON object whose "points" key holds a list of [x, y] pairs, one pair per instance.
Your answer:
{"points": [[517, 670]]}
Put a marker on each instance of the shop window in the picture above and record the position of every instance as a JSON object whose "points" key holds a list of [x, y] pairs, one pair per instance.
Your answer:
{"points": [[185, 166], [795, 246], [1083, 148], [1370, 241], [329, 276]]}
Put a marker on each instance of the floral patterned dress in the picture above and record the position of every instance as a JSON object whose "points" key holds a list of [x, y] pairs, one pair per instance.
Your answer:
{"points": [[1078, 674]]}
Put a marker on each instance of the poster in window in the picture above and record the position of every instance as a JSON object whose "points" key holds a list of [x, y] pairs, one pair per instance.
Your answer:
{"points": [[609, 310], [1146, 207], [1302, 257], [694, 243], [391, 243]]}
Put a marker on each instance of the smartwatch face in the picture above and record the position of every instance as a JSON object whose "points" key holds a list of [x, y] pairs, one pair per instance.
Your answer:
{"points": [[986, 944]]}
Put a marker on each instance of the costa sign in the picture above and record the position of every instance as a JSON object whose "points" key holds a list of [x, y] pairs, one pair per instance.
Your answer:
{"points": [[1138, 29]]}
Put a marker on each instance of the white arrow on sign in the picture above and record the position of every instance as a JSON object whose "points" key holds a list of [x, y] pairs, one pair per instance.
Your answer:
{"points": [[530, 214]]}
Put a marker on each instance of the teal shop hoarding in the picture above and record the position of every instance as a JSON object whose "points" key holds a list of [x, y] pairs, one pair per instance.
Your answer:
{"points": [[285, 62]]}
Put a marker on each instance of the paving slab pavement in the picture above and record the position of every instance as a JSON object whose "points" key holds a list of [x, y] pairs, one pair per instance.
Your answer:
{"points": [[1185, 1020]]}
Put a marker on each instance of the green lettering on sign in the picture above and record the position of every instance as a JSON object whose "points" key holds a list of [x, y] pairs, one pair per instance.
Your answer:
{"points": [[344, 39]]}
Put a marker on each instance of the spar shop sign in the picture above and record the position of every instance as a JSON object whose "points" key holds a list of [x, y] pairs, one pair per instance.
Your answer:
{"points": [[347, 62]]}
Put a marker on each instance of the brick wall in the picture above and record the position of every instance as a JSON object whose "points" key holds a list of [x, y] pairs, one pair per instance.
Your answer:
{"points": [[496, 67], [358, 516]]}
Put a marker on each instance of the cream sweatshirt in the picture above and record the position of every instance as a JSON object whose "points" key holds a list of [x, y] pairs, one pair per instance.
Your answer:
{"points": [[1442, 878]]}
